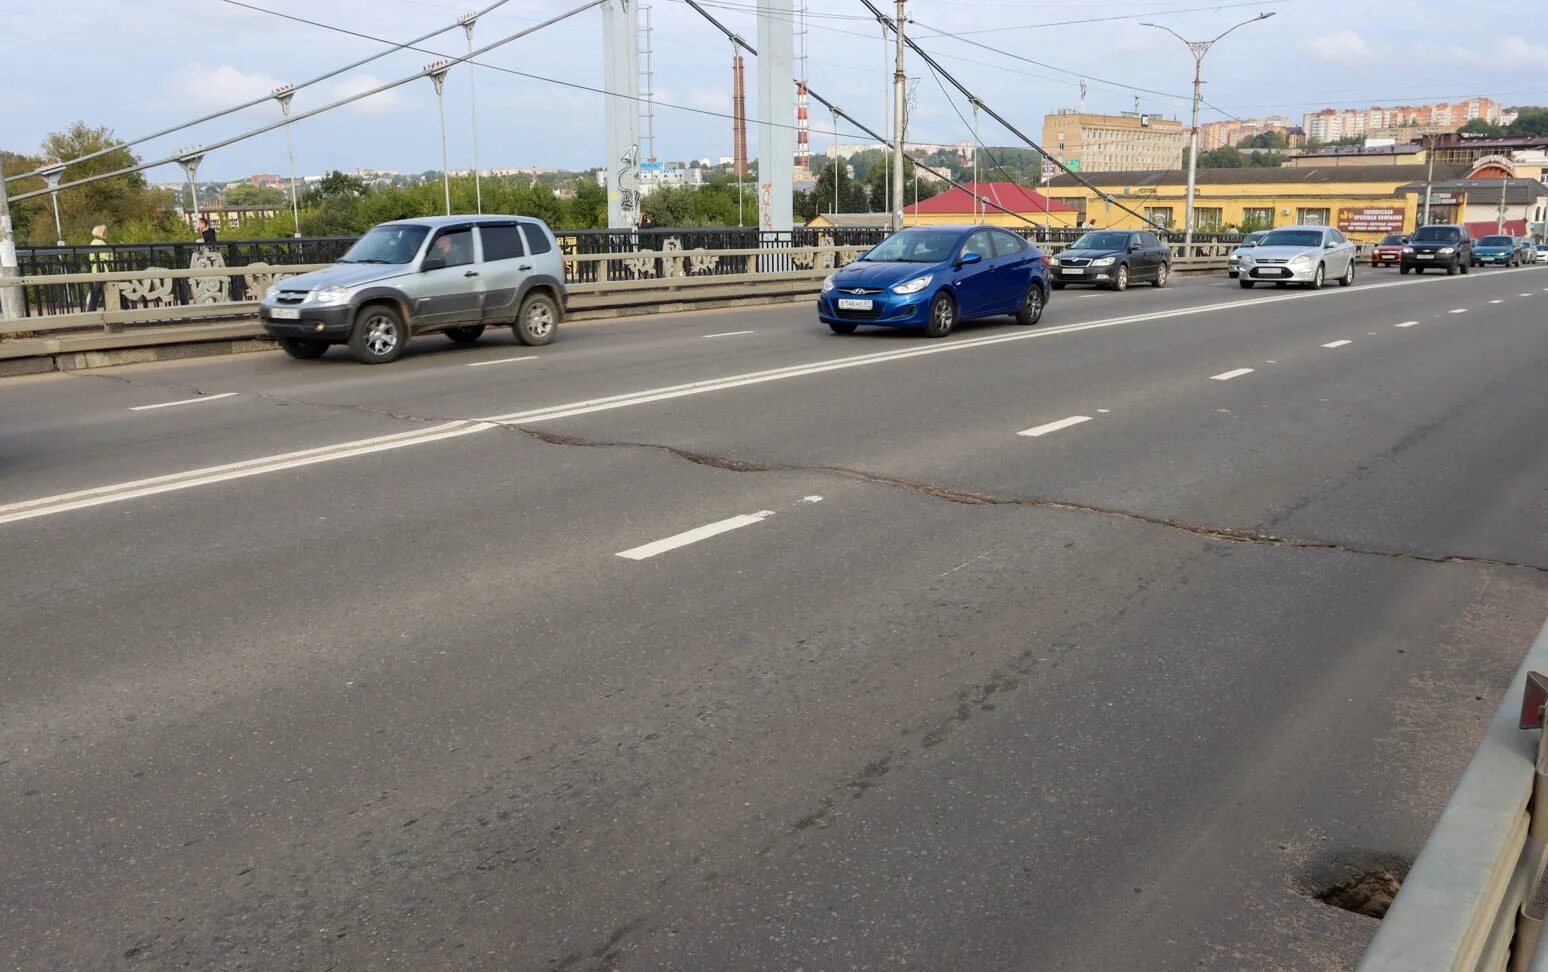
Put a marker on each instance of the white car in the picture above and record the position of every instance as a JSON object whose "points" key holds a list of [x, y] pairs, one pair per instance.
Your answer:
{"points": [[1306, 255]]}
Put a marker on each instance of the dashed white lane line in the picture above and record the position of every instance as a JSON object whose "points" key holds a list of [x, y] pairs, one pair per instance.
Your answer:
{"points": [[1523, 295], [182, 401], [730, 334], [480, 364], [666, 544], [1337, 344], [1063, 423], [1406, 324], [1458, 310], [1228, 375]]}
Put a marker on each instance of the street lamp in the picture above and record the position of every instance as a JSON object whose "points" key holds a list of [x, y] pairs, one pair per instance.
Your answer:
{"points": [[283, 94], [51, 175], [1198, 49], [190, 163], [437, 72], [467, 21]]}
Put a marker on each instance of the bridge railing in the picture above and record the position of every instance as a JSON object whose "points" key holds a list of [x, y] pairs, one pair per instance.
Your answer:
{"points": [[1474, 900]]}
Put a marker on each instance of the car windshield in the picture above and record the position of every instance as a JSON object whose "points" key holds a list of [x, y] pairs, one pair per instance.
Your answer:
{"points": [[1102, 241], [1435, 234], [1498, 241], [387, 244], [915, 246], [1292, 238], [1253, 239], [1394, 240]]}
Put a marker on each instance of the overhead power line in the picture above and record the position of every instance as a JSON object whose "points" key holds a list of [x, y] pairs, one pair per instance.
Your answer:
{"points": [[424, 73], [254, 102]]}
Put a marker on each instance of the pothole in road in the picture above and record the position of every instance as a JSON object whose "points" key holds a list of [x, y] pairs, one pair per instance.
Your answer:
{"points": [[1364, 886]]}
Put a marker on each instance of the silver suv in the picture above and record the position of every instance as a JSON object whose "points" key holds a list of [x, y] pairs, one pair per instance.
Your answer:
{"points": [[453, 274]]}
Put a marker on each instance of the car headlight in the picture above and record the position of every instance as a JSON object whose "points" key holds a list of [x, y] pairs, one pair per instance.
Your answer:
{"points": [[1245, 258], [1448, 249], [827, 283], [913, 286], [1303, 260], [330, 295], [1104, 262], [272, 292], [1408, 249]]}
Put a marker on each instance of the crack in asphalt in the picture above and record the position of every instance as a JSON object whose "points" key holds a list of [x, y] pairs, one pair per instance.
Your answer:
{"points": [[970, 498]]}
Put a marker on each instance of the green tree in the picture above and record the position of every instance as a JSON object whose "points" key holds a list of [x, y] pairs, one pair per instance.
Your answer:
{"points": [[1529, 121], [878, 186], [1265, 140], [852, 196], [1480, 126], [247, 194], [117, 201], [336, 183]]}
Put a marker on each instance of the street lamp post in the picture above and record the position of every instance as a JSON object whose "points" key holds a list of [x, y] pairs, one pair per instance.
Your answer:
{"points": [[467, 21], [283, 96], [190, 163], [437, 72], [52, 177], [1198, 49]]}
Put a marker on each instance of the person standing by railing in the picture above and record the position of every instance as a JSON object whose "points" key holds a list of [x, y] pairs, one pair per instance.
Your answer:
{"points": [[99, 259], [206, 231]]}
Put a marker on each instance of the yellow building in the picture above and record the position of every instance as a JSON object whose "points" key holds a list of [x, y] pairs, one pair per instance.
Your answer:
{"points": [[1113, 143], [1364, 202]]}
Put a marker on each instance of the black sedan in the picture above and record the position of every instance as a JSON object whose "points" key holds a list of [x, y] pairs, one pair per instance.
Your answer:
{"points": [[1115, 259]]}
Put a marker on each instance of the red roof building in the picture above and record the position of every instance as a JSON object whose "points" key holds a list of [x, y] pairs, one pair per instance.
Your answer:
{"points": [[1016, 198]]}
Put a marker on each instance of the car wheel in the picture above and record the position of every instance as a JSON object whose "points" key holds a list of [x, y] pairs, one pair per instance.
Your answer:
{"points": [[1451, 268], [1404, 270], [378, 336], [837, 328], [1348, 277], [1465, 269], [302, 348], [1246, 284], [1121, 281], [1161, 273], [465, 335], [1031, 309], [1057, 284], [537, 320], [1316, 280], [943, 316]]}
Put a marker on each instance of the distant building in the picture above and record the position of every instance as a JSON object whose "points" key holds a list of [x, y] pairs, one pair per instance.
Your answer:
{"points": [[851, 220], [1108, 143], [1408, 153], [987, 202], [265, 179], [1402, 122], [1232, 131]]}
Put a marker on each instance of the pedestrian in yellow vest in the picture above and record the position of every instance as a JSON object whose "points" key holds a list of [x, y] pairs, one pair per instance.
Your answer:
{"points": [[100, 263]]}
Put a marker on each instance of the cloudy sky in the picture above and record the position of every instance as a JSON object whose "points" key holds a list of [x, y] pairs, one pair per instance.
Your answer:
{"points": [[141, 65]]}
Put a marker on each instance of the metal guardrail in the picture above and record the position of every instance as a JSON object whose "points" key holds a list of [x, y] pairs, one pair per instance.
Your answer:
{"points": [[1474, 898]]}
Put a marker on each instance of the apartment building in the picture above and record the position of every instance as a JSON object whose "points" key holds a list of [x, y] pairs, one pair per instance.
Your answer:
{"points": [[1399, 122]]}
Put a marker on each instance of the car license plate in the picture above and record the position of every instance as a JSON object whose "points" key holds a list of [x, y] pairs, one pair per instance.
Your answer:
{"points": [[285, 313], [1426, 256], [854, 303], [1073, 271]]}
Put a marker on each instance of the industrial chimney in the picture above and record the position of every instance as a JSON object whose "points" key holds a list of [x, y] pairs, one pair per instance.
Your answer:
{"points": [[739, 125]]}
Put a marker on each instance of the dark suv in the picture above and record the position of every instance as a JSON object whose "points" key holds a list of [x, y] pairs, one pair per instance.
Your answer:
{"points": [[1442, 245]]}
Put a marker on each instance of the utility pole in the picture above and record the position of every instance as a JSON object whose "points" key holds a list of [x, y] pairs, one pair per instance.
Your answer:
{"points": [[899, 82], [1429, 179], [468, 20], [1198, 49], [438, 75], [283, 94], [10, 297]]}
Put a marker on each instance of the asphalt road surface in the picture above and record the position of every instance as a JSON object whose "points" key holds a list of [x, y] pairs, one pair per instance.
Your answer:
{"points": [[716, 641]]}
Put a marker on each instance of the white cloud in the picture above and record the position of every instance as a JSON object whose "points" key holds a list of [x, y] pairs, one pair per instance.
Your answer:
{"points": [[1341, 47], [1515, 53], [386, 103], [201, 86]]}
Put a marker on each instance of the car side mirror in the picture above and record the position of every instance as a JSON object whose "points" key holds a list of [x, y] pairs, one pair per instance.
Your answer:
{"points": [[969, 258], [1330, 244], [1135, 247], [432, 263]]}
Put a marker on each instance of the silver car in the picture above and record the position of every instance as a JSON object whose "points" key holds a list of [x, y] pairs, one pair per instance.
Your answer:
{"points": [[1234, 261], [453, 274], [1306, 255]]}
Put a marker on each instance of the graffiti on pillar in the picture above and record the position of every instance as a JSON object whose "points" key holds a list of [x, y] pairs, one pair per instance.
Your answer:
{"points": [[628, 182], [766, 206]]}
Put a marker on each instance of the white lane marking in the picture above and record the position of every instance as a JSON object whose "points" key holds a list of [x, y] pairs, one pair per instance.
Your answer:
{"points": [[1523, 295], [1406, 324], [480, 364], [46, 505], [683, 539], [1063, 423], [1459, 310], [1228, 375], [1104, 411], [27, 509], [811, 499], [182, 401], [1337, 344], [730, 334], [1496, 302]]}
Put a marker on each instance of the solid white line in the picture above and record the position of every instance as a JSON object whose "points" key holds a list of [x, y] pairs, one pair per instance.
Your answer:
{"points": [[480, 364], [82, 499], [1406, 324], [1063, 423], [694, 536], [1228, 375], [182, 401], [1459, 310], [1337, 344], [43, 506], [729, 333]]}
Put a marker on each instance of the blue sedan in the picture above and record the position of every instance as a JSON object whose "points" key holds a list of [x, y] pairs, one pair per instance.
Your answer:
{"points": [[931, 277]]}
